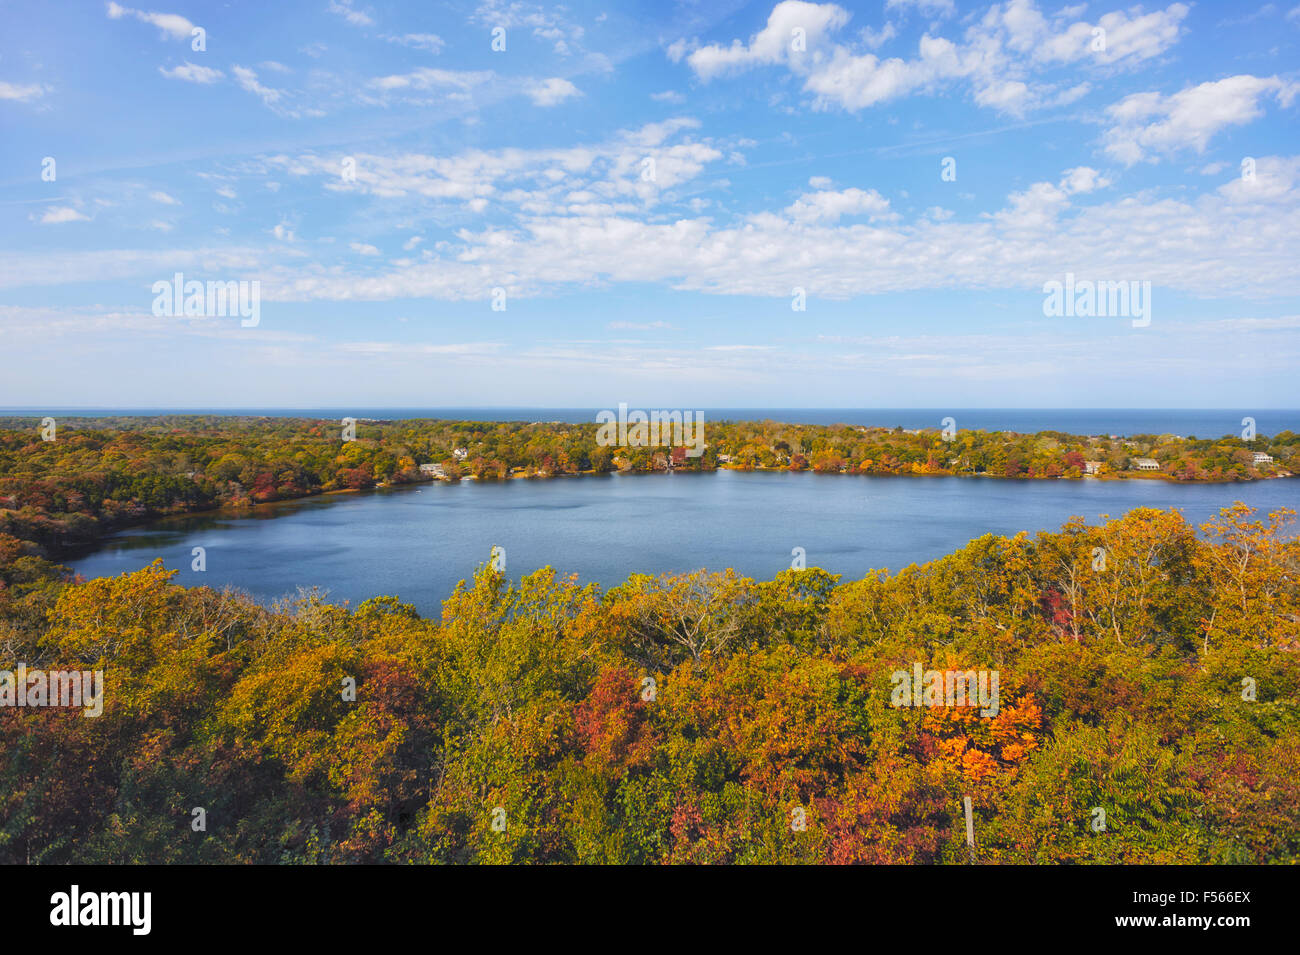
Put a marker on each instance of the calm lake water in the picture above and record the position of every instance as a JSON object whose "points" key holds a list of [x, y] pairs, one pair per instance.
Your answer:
{"points": [[418, 542]]}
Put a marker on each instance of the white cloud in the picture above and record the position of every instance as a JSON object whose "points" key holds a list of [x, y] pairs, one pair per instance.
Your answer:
{"points": [[998, 56], [1230, 241], [1148, 123], [420, 41], [247, 80], [273, 99], [355, 17], [584, 179], [1274, 182], [927, 7], [20, 92], [425, 78], [171, 24], [547, 24], [551, 92], [878, 38], [361, 248], [831, 206], [581, 217], [164, 198], [56, 215], [773, 44], [1083, 179], [191, 73]]}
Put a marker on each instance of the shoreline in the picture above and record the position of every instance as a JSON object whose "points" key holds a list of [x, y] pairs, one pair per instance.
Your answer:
{"points": [[241, 469], [242, 510], [1136, 476]]}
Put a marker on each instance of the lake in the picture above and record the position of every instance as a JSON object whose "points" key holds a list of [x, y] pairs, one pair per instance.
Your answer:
{"points": [[417, 542]]}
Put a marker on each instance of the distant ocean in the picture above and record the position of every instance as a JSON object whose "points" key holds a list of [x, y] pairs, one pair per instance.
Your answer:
{"points": [[1199, 423]]}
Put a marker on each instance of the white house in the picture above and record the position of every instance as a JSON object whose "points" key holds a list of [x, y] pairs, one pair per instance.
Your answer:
{"points": [[1146, 464], [460, 454], [1262, 458], [1091, 467]]}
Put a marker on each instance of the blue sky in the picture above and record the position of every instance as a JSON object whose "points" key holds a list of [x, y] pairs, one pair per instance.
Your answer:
{"points": [[648, 183]]}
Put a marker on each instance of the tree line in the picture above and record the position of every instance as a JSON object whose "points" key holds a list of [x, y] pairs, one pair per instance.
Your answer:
{"points": [[99, 474]]}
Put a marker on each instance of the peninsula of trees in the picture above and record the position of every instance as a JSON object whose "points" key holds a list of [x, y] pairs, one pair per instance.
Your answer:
{"points": [[103, 473]]}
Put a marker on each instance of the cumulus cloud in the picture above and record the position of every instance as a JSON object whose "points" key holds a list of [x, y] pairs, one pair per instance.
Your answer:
{"points": [[1145, 124], [999, 57], [56, 215], [1083, 179], [773, 44], [836, 244], [583, 216], [827, 206], [551, 92]]}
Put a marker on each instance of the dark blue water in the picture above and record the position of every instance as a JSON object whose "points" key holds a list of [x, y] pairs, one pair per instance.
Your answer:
{"points": [[418, 542], [1212, 423]]}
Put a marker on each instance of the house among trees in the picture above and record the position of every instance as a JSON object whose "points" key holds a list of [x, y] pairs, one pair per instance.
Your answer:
{"points": [[460, 454], [1091, 467], [1262, 458], [1146, 464], [432, 470]]}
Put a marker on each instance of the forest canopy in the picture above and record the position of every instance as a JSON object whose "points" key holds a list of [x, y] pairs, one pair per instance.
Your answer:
{"points": [[696, 718], [1146, 675]]}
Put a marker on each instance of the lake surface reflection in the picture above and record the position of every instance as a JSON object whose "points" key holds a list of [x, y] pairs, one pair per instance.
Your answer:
{"points": [[418, 542]]}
